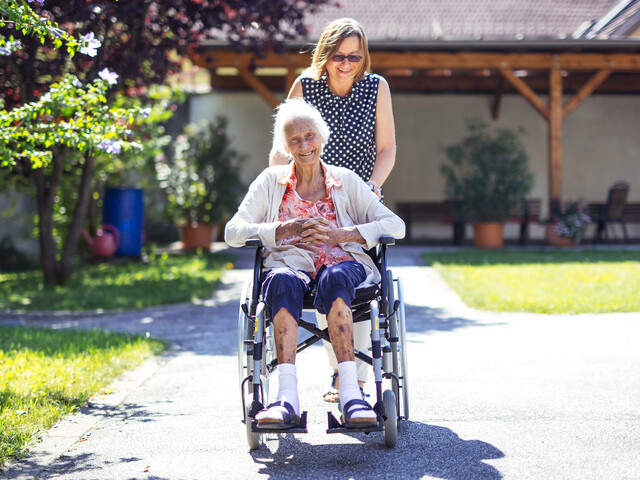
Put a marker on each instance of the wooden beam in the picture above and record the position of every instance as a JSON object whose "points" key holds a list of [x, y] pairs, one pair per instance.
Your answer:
{"points": [[616, 83], [255, 83], [495, 108], [585, 91], [436, 60], [526, 92], [555, 134]]}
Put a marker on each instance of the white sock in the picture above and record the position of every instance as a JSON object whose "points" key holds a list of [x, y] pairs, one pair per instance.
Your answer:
{"points": [[288, 386], [349, 388], [287, 392]]}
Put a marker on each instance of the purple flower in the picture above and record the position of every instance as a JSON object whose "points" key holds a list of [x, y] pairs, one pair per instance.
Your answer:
{"points": [[109, 146], [90, 44], [10, 47], [41, 2], [110, 77], [145, 112]]}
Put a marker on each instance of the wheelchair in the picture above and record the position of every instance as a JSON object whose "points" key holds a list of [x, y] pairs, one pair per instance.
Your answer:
{"points": [[382, 305]]}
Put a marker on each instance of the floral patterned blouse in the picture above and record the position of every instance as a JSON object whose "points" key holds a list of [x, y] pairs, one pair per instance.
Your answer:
{"points": [[293, 206]]}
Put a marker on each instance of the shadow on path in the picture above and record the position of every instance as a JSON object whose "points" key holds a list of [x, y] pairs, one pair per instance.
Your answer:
{"points": [[422, 450]]}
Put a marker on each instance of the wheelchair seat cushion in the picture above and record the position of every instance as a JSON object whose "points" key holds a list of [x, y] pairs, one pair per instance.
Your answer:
{"points": [[363, 295]]}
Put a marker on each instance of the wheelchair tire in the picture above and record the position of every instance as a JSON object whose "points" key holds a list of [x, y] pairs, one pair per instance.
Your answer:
{"points": [[392, 331], [404, 370], [244, 333], [253, 438], [391, 423]]}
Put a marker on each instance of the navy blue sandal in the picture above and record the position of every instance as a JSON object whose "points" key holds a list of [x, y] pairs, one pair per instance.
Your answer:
{"points": [[353, 406], [289, 417]]}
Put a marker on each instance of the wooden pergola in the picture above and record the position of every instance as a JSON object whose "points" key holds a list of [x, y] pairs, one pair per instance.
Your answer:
{"points": [[533, 69]]}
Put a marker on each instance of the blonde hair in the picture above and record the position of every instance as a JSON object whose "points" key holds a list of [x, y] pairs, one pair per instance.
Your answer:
{"points": [[330, 40], [290, 110]]}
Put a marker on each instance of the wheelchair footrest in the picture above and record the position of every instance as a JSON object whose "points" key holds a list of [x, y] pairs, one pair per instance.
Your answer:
{"points": [[301, 428], [336, 427]]}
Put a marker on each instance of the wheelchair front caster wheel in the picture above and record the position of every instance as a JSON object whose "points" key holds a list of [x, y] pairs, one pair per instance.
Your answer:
{"points": [[391, 423], [253, 438]]}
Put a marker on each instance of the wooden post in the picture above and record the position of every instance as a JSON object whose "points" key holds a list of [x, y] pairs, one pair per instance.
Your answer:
{"points": [[555, 133], [495, 108], [289, 78]]}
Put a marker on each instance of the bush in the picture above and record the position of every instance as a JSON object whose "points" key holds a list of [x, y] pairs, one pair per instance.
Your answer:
{"points": [[487, 176]]}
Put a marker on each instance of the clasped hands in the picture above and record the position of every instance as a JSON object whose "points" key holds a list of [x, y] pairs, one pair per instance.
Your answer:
{"points": [[311, 231]]}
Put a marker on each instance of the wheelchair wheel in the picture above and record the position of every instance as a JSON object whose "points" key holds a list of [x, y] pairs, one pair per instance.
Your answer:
{"points": [[404, 371], [245, 332], [398, 329], [391, 423], [253, 438]]}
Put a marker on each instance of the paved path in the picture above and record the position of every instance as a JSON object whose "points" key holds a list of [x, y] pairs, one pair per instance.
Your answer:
{"points": [[515, 396]]}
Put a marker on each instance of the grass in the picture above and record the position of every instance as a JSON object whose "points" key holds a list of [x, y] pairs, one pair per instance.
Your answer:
{"points": [[47, 374], [164, 279], [543, 281]]}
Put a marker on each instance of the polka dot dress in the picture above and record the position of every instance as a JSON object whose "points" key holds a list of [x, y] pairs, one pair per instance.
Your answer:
{"points": [[351, 119]]}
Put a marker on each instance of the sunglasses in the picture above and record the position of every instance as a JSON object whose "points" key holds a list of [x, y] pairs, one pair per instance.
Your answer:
{"points": [[339, 58]]}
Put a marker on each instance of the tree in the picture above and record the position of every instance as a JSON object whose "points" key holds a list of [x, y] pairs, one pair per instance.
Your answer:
{"points": [[143, 42]]}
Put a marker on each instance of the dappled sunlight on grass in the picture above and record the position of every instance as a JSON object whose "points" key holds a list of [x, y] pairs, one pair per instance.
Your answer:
{"points": [[163, 280]]}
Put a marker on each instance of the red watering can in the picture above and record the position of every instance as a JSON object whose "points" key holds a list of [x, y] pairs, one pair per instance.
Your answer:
{"points": [[106, 241]]}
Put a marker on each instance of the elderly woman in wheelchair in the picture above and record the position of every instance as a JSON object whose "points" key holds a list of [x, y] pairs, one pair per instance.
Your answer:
{"points": [[313, 220]]}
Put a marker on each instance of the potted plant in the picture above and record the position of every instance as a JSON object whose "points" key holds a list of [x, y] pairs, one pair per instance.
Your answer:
{"points": [[487, 179], [566, 224], [201, 178]]}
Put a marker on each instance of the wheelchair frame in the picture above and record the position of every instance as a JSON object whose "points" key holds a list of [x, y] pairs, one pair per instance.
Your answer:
{"points": [[382, 305]]}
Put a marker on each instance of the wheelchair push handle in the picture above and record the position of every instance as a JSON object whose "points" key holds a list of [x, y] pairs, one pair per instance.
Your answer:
{"points": [[253, 242]]}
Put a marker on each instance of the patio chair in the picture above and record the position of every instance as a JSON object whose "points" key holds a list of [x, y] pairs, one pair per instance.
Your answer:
{"points": [[613, 211]]}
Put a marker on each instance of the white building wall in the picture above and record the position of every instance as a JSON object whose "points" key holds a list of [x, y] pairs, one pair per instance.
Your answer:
{"points": [[601, 143], [16, 222]]}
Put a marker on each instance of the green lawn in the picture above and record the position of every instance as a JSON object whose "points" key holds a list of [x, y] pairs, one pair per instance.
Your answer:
{"points": [[543, 281], [164, 279], [47, 374]]}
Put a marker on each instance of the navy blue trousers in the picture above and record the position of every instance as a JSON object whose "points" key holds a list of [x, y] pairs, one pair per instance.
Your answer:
{"points": [[282, 288]]}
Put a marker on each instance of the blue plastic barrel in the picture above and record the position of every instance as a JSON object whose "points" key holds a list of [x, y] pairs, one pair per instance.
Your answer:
{"points": [[124, 209]]}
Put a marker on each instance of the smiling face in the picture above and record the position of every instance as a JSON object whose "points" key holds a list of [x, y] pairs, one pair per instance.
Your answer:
{"points": [[345, 71], [304, 142]]}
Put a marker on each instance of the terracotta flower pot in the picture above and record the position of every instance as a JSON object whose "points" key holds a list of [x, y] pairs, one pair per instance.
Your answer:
{"points": [[197, 235], [488, 234], [555, 240]]}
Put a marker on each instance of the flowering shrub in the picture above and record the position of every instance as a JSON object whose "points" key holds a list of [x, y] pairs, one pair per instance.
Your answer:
{"points": [[201, 174], [570, 220]]}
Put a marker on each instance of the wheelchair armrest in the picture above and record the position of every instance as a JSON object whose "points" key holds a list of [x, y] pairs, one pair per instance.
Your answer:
{"points": [[253, 242], [387, 240]]}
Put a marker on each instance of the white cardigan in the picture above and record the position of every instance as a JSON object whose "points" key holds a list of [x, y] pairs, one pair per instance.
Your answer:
{"points": [[355, 204]]}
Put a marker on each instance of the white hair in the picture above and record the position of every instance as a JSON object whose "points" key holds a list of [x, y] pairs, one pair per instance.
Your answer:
{"points": [[290, 110]]}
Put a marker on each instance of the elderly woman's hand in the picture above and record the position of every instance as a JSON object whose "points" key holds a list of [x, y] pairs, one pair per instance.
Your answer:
{"points": [[325, 234], [375, 188], [300, 229]]}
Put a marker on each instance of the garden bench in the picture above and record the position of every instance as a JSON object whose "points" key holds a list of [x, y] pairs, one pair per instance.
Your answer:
{"points": [[430, 212], [441, 212], [630, 214]]}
